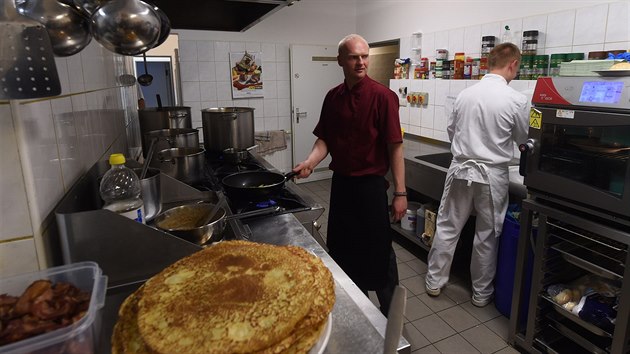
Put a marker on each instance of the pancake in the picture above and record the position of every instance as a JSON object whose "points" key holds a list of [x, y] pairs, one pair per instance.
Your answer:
{"points": [[232, 297], [126, 337], [309, 328]]}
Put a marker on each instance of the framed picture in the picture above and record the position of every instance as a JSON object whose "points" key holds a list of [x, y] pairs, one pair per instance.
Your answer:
{"points": [[246, 73]]}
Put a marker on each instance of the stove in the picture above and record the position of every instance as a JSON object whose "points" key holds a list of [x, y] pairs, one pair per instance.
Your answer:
{"points": [[287, 200]]}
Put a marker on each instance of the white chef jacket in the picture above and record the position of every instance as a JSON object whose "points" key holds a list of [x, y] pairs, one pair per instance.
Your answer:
{"points": [[487, 119]]}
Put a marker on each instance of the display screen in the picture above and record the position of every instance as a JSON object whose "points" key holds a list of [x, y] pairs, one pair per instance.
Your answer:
{"points": [[601, 91]]}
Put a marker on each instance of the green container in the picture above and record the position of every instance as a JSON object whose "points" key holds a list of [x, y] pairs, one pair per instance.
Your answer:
{"points": [[575, 56]]}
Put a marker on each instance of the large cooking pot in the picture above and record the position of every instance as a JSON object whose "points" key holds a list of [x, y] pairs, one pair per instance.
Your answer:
{"points": [[227, 127], [183, 221], [184, 164], [173, 138], [162, 118], [255, 185]]}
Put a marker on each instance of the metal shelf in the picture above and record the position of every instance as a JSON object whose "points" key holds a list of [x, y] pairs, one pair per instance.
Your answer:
{"points": [[410, 235]]}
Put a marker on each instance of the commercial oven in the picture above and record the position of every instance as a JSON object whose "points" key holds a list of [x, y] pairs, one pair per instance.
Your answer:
{"points": [[579, 142], [576, 221]]}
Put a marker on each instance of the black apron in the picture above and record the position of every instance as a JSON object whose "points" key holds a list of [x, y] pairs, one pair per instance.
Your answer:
{"points": [[359, 233]]}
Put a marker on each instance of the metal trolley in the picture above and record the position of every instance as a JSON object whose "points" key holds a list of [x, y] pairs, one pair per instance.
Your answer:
{"points": [[570, 242]]}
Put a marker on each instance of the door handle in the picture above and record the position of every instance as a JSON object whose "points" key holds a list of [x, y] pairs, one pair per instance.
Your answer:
{"points": [[299, 115]]}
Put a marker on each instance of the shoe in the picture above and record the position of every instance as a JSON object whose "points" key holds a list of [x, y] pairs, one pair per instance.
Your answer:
{"points": [[481, 303], [433, 291]]}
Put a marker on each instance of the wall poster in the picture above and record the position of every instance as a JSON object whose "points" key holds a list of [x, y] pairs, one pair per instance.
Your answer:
{"points": [[246, 74]]}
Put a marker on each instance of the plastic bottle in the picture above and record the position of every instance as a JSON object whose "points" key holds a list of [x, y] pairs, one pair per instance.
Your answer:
{"points": [[120, 189], [507, 35]]}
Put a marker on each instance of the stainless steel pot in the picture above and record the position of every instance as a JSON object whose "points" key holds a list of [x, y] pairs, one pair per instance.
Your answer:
{"points": [[227, 127], [151, 192], [162, 118], [184, 164], [172, 138]]}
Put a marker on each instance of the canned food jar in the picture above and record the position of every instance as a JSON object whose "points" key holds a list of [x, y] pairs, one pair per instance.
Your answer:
{"points": [[408, 222], [441, 54]]}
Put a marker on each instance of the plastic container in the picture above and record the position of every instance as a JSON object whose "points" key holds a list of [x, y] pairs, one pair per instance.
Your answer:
{"points": [[420, 221], [441, 54], [120, 189], [408, 222], [80, 337]]}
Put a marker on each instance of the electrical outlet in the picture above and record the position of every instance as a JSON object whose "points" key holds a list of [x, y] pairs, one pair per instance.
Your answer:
{"points": [[423, 98]]}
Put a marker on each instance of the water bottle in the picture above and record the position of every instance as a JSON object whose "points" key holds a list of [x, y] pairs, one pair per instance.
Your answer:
{"points": [[120, 189]]}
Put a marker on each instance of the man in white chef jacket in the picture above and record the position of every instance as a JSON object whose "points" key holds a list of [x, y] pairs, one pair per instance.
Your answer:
{"points": [[487, 119]]}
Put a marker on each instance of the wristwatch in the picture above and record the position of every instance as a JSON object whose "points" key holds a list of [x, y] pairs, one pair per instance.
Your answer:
{"points": [[400, 194]]}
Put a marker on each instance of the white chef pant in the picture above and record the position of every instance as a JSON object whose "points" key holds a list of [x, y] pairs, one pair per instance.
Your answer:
{"points": [[454, 211]]}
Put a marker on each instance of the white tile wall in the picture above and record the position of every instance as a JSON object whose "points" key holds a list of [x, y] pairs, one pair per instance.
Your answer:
{"points": [[49, 144], [581, 30], [206, 83]]}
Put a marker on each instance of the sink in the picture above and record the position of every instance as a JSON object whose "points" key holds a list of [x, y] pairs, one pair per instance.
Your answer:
{"points": [[442, 159]]}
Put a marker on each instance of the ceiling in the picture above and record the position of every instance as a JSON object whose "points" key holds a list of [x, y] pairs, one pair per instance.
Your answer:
{"points": [[218, 15]]}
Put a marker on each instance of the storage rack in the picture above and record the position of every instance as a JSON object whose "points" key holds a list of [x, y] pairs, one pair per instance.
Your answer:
{"points": [[568, 243]]}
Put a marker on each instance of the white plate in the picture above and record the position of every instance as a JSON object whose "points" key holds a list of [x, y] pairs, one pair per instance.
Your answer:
{"points": [[321, 343], [613, 72]]}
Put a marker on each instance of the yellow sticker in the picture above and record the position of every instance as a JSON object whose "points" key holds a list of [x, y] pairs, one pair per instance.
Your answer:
{"points": [[535, 118]]}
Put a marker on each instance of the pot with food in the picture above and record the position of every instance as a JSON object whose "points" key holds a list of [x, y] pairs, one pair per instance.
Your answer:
{"points": [[190, 221]]}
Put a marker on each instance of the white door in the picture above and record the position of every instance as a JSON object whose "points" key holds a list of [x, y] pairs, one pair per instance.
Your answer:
{"points": [[314, 71]]}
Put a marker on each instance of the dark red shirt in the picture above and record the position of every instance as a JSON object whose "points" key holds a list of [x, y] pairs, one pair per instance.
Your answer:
{"points": [[357, 124]]}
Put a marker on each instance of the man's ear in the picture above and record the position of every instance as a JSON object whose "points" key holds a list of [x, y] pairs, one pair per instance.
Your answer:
{"points": [[339, 60]]}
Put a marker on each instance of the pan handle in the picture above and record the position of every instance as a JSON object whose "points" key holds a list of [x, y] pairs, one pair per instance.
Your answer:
{"points": [[265, 211], [290, 175]]}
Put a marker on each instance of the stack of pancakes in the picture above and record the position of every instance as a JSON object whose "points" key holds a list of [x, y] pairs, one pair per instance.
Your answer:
{"points": [[232, 297]]}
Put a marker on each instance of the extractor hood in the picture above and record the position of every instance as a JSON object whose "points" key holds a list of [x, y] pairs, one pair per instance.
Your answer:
{"points": [[218, 15]]}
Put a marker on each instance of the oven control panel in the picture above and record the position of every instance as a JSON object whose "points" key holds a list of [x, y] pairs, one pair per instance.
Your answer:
{"points": [[597, 91]]}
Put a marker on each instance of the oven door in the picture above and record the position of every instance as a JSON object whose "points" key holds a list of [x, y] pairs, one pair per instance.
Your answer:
{"points": [[582, 156]]}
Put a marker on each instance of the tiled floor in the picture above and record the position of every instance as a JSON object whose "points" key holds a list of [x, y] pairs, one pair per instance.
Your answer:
{"points": [[448, 323]]}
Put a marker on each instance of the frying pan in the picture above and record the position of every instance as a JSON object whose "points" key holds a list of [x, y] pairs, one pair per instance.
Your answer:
{"points": [[255, 185], [182, 221]]}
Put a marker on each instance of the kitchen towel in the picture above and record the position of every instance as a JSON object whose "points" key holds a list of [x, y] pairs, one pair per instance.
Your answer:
{"points": [[270, 141]]}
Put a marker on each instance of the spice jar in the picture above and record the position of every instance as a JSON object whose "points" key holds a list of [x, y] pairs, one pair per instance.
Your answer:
{"points": [[540, 66], [468, 69], [474, 75], [487, 44], [458, 64], [554, 64], [529, 47], [441, 54], [483, 67], [526, 67], [446, 70]]}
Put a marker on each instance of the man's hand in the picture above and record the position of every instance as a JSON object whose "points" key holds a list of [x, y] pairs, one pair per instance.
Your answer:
{"points": [[304, 168], [399, 208]]}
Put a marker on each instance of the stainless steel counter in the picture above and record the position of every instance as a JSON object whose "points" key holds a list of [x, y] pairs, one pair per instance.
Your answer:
{"points": [[358, 326], [427, 178]]}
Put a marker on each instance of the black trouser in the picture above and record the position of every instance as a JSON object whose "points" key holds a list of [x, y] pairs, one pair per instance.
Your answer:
{"points": [[386, 293], [360, 234]]}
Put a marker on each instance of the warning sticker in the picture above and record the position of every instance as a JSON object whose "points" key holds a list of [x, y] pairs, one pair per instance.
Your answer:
{"points": [[535, 118]]}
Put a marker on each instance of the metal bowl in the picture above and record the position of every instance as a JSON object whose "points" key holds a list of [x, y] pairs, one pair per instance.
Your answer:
{"points": [[180, 221]]}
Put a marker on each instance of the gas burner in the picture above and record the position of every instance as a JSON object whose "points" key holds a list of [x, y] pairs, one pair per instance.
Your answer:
{"points": [[285, 203]]}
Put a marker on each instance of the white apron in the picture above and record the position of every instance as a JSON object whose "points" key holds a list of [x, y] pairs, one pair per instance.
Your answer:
{"points": [[470, 185]]}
